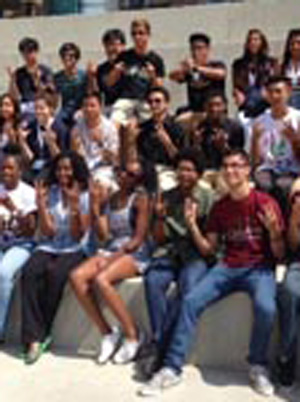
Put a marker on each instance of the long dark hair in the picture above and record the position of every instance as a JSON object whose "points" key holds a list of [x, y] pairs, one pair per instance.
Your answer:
{"points": [[79, 166], [17, 115], [287, 49], [264, 50]]}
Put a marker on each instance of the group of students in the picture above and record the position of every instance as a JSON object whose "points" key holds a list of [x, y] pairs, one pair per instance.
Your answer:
{"points": [[100, 183]]}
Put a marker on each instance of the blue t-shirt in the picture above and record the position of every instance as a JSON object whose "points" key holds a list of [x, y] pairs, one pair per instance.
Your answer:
{"points": [[62, 241]]}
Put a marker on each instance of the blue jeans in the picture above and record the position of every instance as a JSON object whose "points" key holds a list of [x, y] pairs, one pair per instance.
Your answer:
{"points": [[162, 308], [218, 283], [11, 261], [289, 312]]}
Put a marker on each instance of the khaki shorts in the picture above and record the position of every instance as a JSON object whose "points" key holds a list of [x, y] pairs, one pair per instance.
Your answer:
{"points": [[124, 110]]}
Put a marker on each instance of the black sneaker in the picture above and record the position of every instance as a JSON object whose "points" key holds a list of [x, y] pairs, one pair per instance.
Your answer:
{"points": [[286, 371]]}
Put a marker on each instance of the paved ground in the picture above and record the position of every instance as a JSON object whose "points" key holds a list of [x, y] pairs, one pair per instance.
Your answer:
{"points": [[67, 379]]}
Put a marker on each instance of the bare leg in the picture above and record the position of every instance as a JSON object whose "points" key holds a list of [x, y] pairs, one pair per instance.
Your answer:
{"points": [[122, 268], [81, 280]]}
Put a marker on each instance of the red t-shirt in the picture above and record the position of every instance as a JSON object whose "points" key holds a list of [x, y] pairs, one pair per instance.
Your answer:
{"points": [[244, 236]]}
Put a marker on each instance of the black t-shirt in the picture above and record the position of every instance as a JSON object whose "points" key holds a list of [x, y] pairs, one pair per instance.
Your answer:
{"points": [[109, 94], [26, 85], [135, 82], [151, 148], [234, 138], [199, 86]]}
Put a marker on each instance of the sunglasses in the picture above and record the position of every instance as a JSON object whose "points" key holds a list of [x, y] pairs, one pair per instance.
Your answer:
{"points": [[154, 101]]}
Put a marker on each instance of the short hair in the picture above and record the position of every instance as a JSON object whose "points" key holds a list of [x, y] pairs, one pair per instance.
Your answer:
{"points": [[14, 151], [49, 96], [112, 35], [28, 45], [93, 94], [141, 22], [199, 37], [216, 94], [162, 90], [192, 155], [278, 79], [237, 152], [69, 47], [79, 166]]}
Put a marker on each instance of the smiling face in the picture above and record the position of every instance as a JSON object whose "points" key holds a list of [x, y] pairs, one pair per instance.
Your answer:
{"points": [[278, 94], [254, 43], [158, 103], [140, 36], [216, 107], [200, 51], [91, 108], [7, 108], [236, 171], [129, 176], [187, 175], [113, 49], [43, 112], [11, 172], [64, 173]]}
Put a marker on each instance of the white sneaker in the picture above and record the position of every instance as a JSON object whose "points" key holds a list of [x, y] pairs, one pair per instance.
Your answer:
{"points": [[109, 345], [260, 380], [127, 351], [163, 379]]}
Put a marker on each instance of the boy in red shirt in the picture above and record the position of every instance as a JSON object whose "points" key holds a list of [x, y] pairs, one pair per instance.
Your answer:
{"points": [[249, 226]]}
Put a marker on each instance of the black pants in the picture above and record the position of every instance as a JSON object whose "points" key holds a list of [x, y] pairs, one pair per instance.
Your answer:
{"points": [[43, 280]]}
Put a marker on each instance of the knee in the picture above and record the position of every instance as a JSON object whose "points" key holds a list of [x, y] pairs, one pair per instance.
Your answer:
{"points": [[151, 280], [266, 309], [5, 276], [102, 281]]}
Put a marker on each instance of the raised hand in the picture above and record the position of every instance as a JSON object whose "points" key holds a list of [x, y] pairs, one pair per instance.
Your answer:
{"points": [[270, 221], [41, 193], [91, 68], [151, 70], [190, 212]]}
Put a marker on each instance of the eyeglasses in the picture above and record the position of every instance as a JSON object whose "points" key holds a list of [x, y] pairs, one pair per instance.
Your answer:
{"points": [[138, 33], [235, 166], [154, 100]]}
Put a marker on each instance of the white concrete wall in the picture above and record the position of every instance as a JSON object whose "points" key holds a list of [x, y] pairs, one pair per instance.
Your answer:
{"points": [[226, 23]]}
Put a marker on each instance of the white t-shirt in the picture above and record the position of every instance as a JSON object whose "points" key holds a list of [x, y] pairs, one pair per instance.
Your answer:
{"points": [[23, 197], [93, 149], [276, 150]]}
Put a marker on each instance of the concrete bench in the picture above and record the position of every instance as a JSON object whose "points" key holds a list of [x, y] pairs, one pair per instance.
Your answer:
{"points": [[222, 339]]}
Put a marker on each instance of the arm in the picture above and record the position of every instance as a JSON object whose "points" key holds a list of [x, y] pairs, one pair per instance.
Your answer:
{"points": [[115, 74], [294, 226], [166, 140], [255, 150], [213, 73], [142, 224], [22, 137], [12, 86], [79, 218], [46, 221], [98, 197], [76, 144], [51, 140]]}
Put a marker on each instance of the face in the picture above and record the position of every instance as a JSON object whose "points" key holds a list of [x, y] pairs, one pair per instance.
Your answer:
{"points": [[158, 103], [295, 47], [254, 43], [140, 36], [216, 108], [113, 49], [91, 108], [278, 94], [69, 60], [187, 175], [64, 173], [200, 51], [30, 58], [235, 171], [130, 175], [42, 111], [10, 172], [7, 108]]}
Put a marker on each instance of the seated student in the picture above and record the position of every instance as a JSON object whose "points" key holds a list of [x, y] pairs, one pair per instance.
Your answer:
{"points": [[201, 75], [276, 141], [70, 82], [160, 138], [9, 121], [289, 298], [30, 79], [63, 218], [44, 138], [178, 255], [291, 65], [249, 226], [122, 224], [251, 72], [114, 43], [17, 226], [216, 135], [95, 137], [136, 70]]}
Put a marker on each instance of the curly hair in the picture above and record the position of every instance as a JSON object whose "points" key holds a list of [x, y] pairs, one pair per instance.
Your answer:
{"points": [[79, 166]]}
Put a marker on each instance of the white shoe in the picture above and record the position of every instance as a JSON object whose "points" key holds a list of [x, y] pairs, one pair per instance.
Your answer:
{"points": [[163, 379], [109, 345], [260, 380], [127, 351]]}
